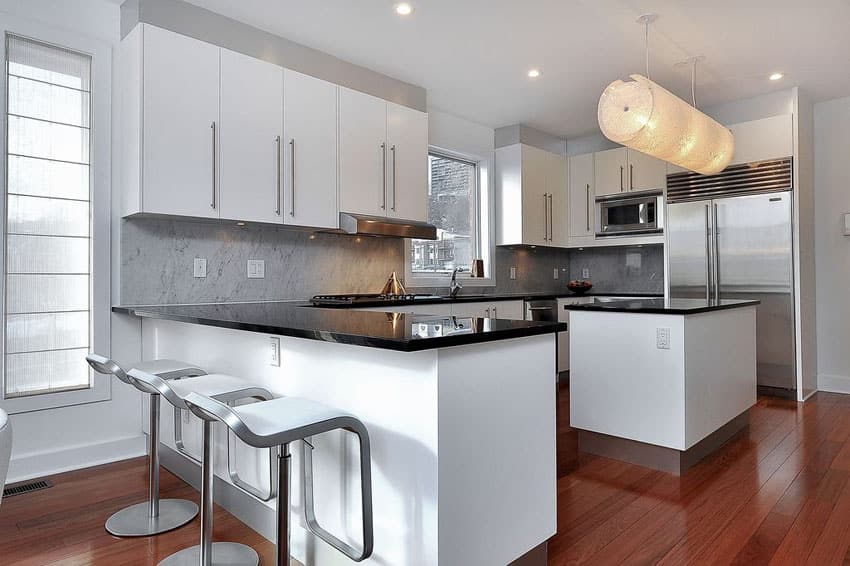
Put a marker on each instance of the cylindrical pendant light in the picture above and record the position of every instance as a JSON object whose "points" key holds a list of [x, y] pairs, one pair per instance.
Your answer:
{"points": [[646, 117]]}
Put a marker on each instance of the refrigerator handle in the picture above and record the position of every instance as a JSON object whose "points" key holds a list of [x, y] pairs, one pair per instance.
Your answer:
{"points": [[716, 231], [708, 270]]}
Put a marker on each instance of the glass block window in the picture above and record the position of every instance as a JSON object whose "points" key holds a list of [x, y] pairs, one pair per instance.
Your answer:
{"points": [[48, 253]]}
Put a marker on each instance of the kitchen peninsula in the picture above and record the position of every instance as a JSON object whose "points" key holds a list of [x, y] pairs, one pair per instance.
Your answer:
{"points": [[661, 382], [460, 411]]}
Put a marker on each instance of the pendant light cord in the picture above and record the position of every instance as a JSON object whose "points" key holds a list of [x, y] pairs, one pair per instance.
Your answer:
{"points": [[694, 81], [646, 46]]}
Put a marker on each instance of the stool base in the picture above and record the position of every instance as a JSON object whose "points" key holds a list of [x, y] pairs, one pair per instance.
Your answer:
{"points": [[135, 521], [223, 554]]}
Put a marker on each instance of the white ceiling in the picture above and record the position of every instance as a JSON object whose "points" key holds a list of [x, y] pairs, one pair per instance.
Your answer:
{"points": [[472, 55]]}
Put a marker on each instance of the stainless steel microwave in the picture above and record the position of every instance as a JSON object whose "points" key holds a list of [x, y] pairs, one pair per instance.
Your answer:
{"points": [[630, 214]]}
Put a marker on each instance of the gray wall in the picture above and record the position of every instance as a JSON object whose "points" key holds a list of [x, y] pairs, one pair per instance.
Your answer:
{"points": [[157, 262]]}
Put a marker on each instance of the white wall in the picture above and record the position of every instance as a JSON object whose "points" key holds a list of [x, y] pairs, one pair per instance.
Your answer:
{"points": [[832, 200], [66, 438]]}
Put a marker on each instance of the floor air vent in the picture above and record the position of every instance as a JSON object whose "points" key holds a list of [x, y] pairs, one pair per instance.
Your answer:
{"points": [[22, 488]]}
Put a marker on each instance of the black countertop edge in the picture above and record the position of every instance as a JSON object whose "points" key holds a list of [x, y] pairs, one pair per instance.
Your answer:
{"points": [[401, 344], [479, 299], [676, 307]]}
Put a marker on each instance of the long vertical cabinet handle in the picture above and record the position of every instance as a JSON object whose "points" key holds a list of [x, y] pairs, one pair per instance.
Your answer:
{"points": [[495, 312], [545, 217], [621, 178], [292, 177], [716, 231], [214, 164], [587, 204], [384, 170], [392, 149], [551, 220], [709, 272], [631, 177], [277, 178]]}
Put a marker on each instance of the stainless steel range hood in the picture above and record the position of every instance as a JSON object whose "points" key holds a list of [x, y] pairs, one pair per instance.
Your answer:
{"points": [[379, 226]]}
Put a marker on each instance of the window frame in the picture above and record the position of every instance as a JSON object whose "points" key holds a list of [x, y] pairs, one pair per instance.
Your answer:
{"points": [[483, 221], [100, 172]]}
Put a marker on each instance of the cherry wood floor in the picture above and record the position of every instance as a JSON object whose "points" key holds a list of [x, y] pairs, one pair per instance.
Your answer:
{"points": [[779, 493]]}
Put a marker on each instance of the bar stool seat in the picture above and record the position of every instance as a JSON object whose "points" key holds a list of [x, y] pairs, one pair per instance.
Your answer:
{"points": [[156, 515], [279, 422]]}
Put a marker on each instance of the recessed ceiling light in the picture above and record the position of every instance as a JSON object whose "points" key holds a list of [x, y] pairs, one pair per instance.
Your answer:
{"points": [[533, 73], [776, 76], [403, 9]]}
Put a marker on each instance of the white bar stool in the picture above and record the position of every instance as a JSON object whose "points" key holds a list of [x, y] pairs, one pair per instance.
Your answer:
{"points": [[280, 422], [225, 389], [156, 515]]}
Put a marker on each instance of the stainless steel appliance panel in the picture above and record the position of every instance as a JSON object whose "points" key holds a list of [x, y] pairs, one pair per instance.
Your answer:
{"points": [[633, 214], [754, 261], [689, 249]]}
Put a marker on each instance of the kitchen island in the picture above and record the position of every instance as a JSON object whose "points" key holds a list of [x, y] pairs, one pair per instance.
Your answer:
{"points": [[661, 383], [460, 411]]}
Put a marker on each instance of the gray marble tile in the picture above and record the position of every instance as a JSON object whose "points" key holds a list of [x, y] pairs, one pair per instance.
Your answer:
{"points": [[621, 270]]}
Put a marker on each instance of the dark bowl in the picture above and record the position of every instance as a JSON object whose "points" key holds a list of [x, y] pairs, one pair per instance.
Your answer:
{"points": [[580, 289]]}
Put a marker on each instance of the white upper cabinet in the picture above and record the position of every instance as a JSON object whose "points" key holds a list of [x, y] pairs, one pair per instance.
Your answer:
{"points": [[179, 85], [407, 163], [362, 153], [250, 139], [582, 204], [621, 170], [310, 148], [610, 168], [531, 197]]}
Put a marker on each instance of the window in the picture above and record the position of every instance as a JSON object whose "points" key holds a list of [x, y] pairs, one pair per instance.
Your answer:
{"points": [[48, 219], [457, 207]]}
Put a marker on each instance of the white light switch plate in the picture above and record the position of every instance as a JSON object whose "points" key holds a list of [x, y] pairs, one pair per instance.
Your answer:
{"points": [[274, 342], [585, 273], [555, 273], [256, 269], [513, 273], [200, 267]]}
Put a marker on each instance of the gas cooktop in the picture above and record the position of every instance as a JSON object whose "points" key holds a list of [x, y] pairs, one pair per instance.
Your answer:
{"points": [[368, 298]]}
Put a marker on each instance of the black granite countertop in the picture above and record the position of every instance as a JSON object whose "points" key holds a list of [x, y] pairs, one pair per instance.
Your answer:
{"points": [[393, 331], [480, 298], [664, 306]]}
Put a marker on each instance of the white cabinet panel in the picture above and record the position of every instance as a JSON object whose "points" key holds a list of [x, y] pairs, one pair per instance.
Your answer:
{"points": [[310, 149], [535, 202], [610, 171], [581, 207], [556, 186], [646, 172], [512, 310], [407, 163], [362, 153], [473, 309], [180, 109], [250, 131], [768, 138]]}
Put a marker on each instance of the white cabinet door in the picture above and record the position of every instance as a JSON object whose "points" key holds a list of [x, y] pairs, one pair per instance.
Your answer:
{"points": [[407, 163], [582, 205], [362, 153], [646, 172], [510, 310], [535, 201], [556, 186], [611, 173], [250, 139], [180, 109], [473, 309], [310, 150], [768, 138]]}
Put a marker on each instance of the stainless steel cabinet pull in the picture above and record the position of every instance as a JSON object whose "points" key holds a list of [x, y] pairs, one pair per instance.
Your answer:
{"points": [[292, 177], [212, 201], [277, 178], [716, 256], [708, 270], [631, 177], [392, 148], [551, 219], [384, 169], [495, 312], [621, 178], [487, 313], [587, 204], [545, 217]]}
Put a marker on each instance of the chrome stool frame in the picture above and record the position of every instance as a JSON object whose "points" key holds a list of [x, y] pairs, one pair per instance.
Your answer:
{"points": [[327, 420], [206, 553], [156, 515]]}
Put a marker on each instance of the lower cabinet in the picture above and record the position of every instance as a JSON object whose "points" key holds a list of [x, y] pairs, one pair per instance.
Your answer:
{"points": [[511, 310]]}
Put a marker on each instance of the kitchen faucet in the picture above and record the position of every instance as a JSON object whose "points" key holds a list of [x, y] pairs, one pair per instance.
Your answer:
{"points": [[455, 286]]}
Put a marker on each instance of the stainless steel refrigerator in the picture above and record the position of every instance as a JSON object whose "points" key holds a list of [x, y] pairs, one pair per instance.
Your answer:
{"points": [[730, 236]]}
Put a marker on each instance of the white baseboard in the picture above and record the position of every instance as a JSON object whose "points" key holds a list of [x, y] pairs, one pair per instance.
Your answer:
{"points": [[833, 383], [40, 464]]}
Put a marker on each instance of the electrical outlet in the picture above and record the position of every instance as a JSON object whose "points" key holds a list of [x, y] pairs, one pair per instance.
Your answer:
{"points": [[274, 342], [256, 269], [555, 273], [200, 267], [662, 338], [513, 273], [585, 273]]}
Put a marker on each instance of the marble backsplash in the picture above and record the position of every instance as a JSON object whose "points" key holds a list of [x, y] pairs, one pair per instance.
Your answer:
{"points": [[157, 264]]}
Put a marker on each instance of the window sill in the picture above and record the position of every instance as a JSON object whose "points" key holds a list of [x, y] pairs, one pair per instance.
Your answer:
{"points": [[416, 282]]}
